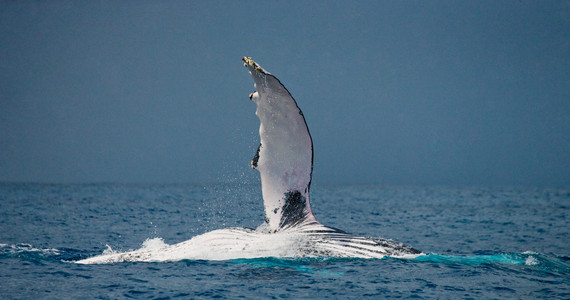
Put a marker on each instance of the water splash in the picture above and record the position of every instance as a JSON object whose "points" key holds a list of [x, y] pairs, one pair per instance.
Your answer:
{"points": [[154, 243], [109, 250]]}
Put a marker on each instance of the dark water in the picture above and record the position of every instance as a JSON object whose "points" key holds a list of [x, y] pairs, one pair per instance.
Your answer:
{"points": [[484, 242]]}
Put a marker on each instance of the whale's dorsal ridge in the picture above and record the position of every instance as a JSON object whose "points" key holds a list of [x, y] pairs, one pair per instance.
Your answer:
{"points": [[284, 158]]}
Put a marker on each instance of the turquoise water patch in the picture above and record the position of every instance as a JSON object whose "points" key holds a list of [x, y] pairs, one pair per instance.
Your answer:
{"points": [[530, 259]]}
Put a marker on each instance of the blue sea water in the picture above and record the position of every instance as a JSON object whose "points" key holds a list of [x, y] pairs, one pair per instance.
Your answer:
{"points": [[482, 243]]}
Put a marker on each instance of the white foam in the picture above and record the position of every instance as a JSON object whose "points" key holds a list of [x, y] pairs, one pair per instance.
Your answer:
{"points": [[154, 243], [109, 250], [531, 261], [29, 248]]}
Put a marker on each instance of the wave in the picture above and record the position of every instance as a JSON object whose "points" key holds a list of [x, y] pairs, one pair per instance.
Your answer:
{"points": [[28, 252], [551, 263]]}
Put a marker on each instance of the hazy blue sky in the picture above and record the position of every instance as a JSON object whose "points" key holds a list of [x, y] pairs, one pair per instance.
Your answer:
{"points": [[394, 92]]}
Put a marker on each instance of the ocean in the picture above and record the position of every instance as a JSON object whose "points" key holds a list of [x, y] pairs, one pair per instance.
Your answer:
{"points": [[480, 243]]}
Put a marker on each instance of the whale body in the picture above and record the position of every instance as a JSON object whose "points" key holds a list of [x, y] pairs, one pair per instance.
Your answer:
{"points": [[284, 160]]}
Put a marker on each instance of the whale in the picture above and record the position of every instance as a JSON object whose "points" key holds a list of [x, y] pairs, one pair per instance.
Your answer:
{"points": [[284, 160]]}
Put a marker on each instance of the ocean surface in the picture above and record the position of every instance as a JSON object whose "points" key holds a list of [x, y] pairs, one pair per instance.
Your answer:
{"points": [[481, 243]]}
